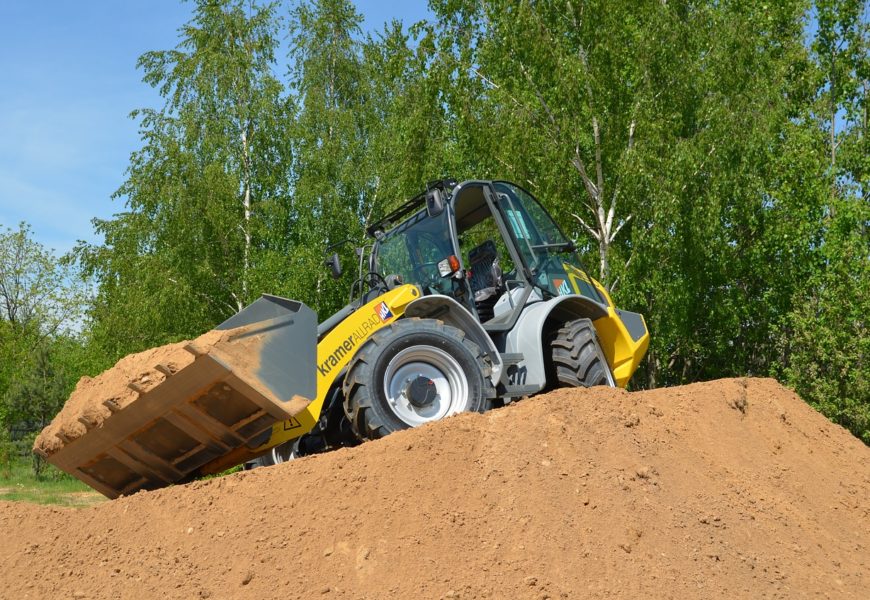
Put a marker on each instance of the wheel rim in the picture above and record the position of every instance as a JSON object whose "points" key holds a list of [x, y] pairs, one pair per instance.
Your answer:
{"points": [[283, 452], [434, 364]]}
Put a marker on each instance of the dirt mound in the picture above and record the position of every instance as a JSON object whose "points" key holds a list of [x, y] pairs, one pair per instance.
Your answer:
{"points": [[726, 489]]}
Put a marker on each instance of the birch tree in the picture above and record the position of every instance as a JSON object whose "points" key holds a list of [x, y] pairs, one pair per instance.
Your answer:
{"points": [[207, 195], [333, 188], [570, 83], [39, 293]]}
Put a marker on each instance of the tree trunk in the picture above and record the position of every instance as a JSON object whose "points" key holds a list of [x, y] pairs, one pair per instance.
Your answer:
{"points": [[604, 212], [246, 223], [604, 251]]}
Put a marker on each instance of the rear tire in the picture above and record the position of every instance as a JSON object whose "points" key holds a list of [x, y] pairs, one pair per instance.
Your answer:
{"points": [[413, 372], [577, 358]]}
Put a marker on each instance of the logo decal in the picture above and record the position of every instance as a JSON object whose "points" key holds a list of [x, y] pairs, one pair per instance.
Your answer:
{"points": [[562, 287], [344, 349], [383, 312]]}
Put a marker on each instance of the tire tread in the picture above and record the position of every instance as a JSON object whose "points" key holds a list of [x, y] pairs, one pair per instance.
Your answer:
{"points": [[576, 355]]}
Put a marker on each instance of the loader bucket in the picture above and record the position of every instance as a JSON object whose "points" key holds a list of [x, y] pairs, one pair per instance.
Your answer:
{"points": [[253, 370]]}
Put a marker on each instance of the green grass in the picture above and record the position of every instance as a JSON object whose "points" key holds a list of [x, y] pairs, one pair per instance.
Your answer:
{"points": [[17, 483]]}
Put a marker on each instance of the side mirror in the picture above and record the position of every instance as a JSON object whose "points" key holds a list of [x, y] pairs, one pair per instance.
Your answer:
{"points": [[334, 265], [434, 203]]}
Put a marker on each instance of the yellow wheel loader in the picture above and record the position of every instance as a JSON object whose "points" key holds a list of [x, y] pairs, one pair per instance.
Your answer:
{"points": [[468, 297]]}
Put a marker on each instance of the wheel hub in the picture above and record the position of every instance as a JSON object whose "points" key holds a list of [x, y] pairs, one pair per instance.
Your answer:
{"points": [[424, 383], [421, 391]]}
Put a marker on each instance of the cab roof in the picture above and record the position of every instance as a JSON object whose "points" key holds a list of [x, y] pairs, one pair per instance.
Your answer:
{"points": [[413, 205]]}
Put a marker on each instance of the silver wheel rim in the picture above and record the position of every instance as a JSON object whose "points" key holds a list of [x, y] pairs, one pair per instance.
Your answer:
{"points": [[284, 452], [451, 384]]}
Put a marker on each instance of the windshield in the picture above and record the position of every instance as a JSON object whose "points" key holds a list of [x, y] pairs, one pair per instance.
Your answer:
{"points": [[548, 253], [413, 250]]}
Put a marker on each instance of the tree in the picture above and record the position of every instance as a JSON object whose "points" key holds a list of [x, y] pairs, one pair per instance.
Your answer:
{"points": [[824, 338], [409, 136], [841, 48], [710, 163], [36, 397], [665, 132], [334, 192], [206, 225], [827, 336], [38, 294], [566, 84], [40, 298]]}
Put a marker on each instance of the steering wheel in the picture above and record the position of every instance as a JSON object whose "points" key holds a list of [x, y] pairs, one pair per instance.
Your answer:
{"points": [[429, 278], [424, 276]]}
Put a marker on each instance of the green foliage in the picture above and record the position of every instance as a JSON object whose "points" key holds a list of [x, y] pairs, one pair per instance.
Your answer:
{"points": [[841, 49], [33, 399], [41, 307], [823, 338], [38, 294], [40, 298], [331, 190], [7, 453], [699, 127], [826, 337], [664, 137]]}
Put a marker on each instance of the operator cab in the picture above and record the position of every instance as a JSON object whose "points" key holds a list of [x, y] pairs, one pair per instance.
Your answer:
{"points": [[493, 248]]}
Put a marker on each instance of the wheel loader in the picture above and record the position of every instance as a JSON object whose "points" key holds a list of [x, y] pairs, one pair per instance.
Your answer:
{"points": [[468, 297]]}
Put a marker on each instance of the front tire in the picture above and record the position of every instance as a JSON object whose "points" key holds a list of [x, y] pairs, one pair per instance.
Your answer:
{"points": [[577, 358], [413, 372]]}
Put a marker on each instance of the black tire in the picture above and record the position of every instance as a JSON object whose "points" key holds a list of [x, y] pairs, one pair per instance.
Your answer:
{"points": [[423, 345], [577, 358]]}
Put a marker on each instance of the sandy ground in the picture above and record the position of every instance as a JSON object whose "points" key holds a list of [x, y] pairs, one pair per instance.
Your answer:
{"points": [[726, 489]]}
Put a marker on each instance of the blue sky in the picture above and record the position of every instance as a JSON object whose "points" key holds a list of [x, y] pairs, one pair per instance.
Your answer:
{"points": [[69, 82]]}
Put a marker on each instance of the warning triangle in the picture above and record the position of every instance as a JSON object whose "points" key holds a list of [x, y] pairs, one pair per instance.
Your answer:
{"points": [[292, 423]]}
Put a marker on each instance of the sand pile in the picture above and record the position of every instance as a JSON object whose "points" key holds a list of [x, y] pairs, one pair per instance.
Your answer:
{"points": [[726, 489], [94, 399]]}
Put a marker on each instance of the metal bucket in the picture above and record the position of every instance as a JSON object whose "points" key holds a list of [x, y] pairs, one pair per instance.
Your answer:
{"points": [[210, 415]]}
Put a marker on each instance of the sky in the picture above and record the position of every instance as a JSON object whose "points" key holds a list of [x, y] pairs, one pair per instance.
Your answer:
{"points": [[68, 82]]}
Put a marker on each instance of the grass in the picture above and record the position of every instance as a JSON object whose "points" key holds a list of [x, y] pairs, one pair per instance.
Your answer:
{"points": [[18, 484]]}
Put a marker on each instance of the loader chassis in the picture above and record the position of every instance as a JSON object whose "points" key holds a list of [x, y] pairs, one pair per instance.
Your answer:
{"points": [[470, 297], [541, 288]]}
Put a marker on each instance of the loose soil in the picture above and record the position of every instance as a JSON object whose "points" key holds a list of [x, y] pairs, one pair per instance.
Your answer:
{"points": [[131, 377], [726, 489]]}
